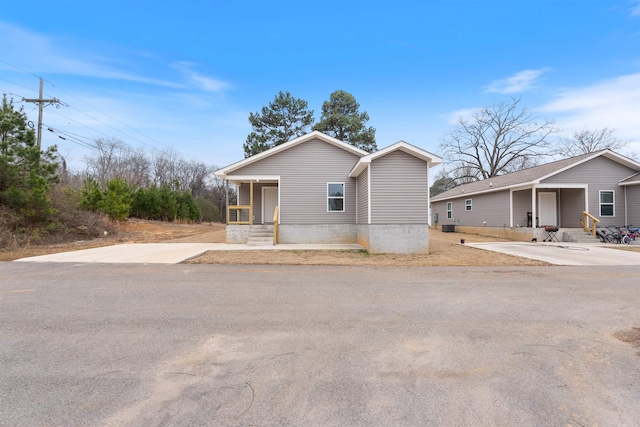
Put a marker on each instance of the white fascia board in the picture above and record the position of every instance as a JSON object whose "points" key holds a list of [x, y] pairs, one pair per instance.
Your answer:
{"points": [[555, 185], [630, 180], [223, 172], [361, 165], [255, 178]]}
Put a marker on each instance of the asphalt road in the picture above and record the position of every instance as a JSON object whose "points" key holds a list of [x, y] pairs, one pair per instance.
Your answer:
{"points": [[188, 345]]}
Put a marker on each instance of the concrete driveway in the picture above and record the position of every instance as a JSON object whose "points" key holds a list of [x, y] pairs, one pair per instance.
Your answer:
{"points": [[173, 253], [165, 253], [564, 253]]}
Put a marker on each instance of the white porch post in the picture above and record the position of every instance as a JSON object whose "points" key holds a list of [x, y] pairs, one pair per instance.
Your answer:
{"points": [[511, 208], [226, 205], [251, 202], [533, 207]]}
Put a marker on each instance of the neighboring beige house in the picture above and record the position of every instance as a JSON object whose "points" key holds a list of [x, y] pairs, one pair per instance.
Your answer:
{"points": [[318, 189], [603, 185]]}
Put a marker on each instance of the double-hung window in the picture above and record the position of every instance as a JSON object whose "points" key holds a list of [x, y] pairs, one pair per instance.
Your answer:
{"points": [[467, 205], [607, 206], [449, 210], [335, 196]]}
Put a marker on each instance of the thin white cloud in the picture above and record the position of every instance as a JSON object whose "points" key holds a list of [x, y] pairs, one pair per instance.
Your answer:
{"points": [[209, 84], [519, 82], [635, 10], [613, 103], [41, 54]]}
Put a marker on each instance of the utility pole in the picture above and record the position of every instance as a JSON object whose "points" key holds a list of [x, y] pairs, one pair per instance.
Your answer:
{"points": [[41, 103]]}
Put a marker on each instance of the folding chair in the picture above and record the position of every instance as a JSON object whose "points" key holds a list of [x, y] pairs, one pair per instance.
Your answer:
{"points": [[551, 233]]}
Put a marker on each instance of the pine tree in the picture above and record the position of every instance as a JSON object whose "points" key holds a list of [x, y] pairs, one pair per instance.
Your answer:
{"points": [[26, 172], [342, 119]]}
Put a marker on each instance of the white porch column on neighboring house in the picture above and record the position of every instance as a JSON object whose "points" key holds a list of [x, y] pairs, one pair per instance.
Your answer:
{"points": [[533, 207], [511, 208]]}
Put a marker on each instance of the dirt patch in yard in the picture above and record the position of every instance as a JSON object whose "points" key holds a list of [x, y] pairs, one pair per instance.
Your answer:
{"points": [[129, 231], [445, 250]]}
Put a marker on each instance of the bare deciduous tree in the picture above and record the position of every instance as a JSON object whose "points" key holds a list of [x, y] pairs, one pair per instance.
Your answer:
{"points": [[498, 139], [116, 159], [588, 141]]}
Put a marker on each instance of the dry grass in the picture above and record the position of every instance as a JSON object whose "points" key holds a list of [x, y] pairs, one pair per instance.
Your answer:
{"points": [[445, 250]]}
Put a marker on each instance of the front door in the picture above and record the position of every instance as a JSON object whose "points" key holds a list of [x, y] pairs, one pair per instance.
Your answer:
{"points": [[269, 203], [547, 209]]}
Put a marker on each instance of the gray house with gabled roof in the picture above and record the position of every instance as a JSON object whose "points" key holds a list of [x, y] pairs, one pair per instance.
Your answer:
{"points": [[604, 184], [318, 189]]}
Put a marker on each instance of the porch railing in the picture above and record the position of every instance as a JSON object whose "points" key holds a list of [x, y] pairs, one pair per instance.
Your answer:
{"points": [[586, 216], [276, 213], [240, 214]]}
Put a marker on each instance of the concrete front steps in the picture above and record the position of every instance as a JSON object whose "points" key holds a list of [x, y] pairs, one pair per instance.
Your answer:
{"points": [[260, 235], [578, 236]]}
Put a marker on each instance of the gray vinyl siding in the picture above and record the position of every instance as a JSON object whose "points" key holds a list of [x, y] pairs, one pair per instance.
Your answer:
{"points": [[484, 210], [633, 204], [363, 197], [521, 206], [571, 204], [399, 189], [601, 174], [304, 172], [491, 210]]}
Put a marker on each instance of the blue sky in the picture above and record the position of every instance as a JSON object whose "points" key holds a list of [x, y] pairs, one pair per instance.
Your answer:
{"points": [[185, 75]]}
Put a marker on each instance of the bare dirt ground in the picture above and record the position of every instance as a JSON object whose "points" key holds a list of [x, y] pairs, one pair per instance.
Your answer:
{"points": [[445, 248], [130, 231]]}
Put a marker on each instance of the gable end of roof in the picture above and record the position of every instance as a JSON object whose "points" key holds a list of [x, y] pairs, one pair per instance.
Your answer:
{"points": [[223, 172]]}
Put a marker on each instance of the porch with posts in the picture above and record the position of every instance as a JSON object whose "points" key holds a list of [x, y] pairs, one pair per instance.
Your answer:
{"points": [[241, 218]]}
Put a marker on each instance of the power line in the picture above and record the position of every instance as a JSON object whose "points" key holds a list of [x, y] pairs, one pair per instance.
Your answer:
{"points": [[20, 69], [68, 136], [18, 84], [112, 118], [6, 92], [80, 123], [87, 114]]}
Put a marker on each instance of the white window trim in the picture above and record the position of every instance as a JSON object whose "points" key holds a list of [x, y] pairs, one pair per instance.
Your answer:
{"points": [[449, 210], [344, 196], [470, 205], [613, 203]]}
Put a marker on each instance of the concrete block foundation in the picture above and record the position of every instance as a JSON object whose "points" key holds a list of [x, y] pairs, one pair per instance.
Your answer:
{"points": [[382, 238], [394, 238], [238, 233], [317, 233]]}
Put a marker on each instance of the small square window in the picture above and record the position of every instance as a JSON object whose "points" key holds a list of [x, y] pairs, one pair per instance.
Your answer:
{"points": [[335, 196], [467, 205], [607, 203]]}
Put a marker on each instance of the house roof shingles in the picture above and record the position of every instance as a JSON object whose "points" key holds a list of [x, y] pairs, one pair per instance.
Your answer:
{"points": [[528, 176]]}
